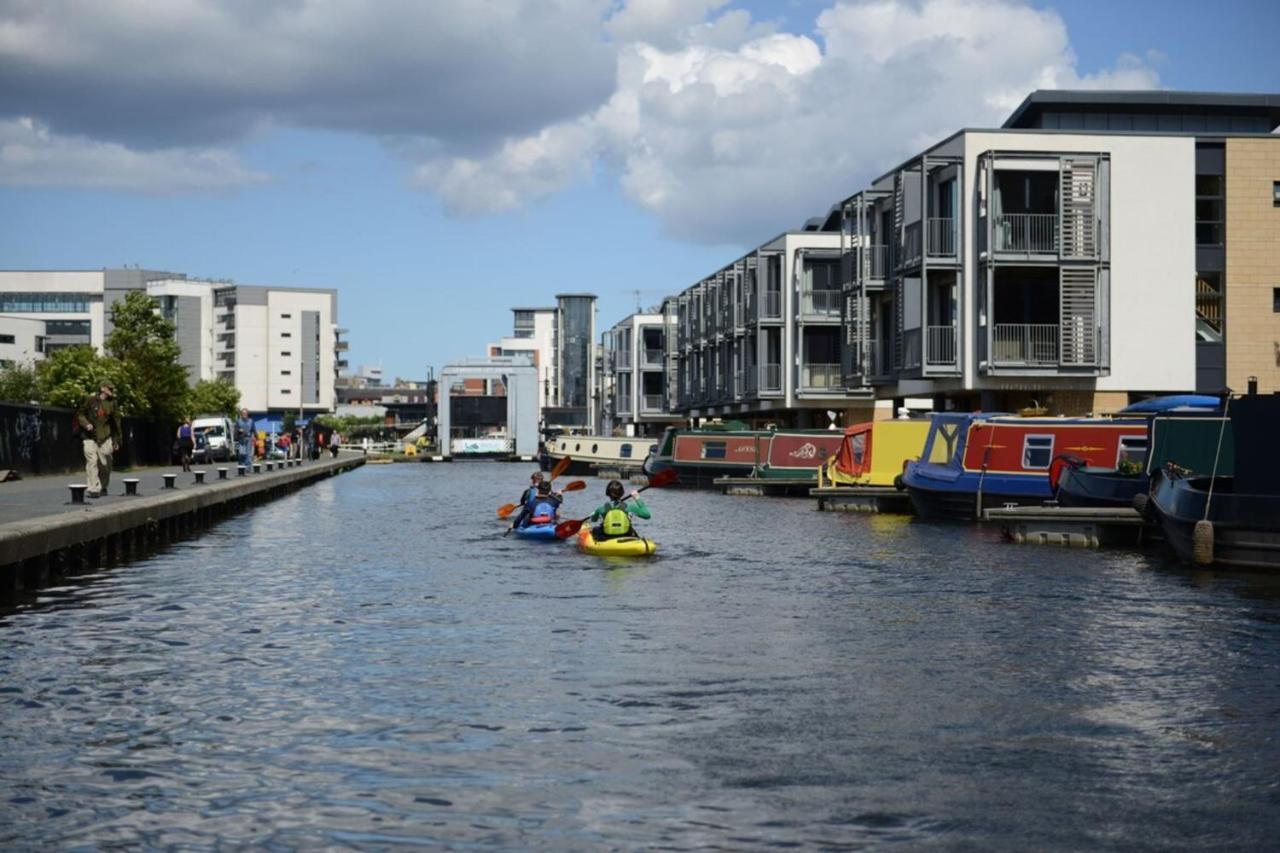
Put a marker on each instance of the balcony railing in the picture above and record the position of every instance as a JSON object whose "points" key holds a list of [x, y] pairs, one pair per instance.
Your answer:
{"points": [[821, 376], [651, 403], [1025, 232], [824, 303], [652, 358], [1025, 345], [622, 405], [622, 359], [771, 305], [877, 262], [942, 236], [770, 378], [942, 345]]}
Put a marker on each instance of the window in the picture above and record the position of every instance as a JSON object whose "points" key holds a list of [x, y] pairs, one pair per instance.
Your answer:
{"points": [[286, 373], [624, 451], [286, 316], [1275, 300], [1209, 204], [1275, 193], [285, 354], [6, 339], [1209, 307], [1037, 451], [859, 445], [44, 303], [595, 448], [67, 327], [713, 450], [286, 334], [285, 391], [1133, 452]]}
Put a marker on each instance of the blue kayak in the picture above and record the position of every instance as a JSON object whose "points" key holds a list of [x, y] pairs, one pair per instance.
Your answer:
{"points": [[537, 531]]}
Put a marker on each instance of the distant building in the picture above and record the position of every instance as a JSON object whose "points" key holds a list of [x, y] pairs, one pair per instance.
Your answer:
{"points": [[559, 343], [633, 376], [22, 340]]}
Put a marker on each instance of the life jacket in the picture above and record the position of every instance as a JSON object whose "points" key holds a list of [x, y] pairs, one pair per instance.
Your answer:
{"points": [[617, 522], [544, 512]]}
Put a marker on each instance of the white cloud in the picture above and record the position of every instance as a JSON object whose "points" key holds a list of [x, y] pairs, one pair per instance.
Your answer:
{"points": [[734, 143], [30, 155]]}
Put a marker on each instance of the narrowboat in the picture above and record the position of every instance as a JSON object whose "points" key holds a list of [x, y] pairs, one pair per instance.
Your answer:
{"points": [[590, 453], [997, 459], [703, 455], [1228, 521], [1176, 432], [873, 453]]}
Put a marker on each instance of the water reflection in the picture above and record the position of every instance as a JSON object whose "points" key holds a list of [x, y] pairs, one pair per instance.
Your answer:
{"points": [[368, 662]]}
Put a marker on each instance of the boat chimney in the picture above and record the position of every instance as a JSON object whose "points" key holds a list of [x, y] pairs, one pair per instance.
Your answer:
{"points": [[1253, 385]]}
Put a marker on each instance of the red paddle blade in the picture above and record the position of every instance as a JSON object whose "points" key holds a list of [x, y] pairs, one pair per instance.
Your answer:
{"points": [[505, 510], [663, 478], [565, 529], [560, 468], [575, 486]]}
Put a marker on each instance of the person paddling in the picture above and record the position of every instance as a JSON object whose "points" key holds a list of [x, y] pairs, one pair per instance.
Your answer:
{"points": [[616, 513], [534, 479], [542, 507]]}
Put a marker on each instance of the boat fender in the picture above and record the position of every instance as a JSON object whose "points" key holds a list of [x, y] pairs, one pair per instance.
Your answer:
{"points": [[1142, 503], [1202, 542], [898, 483]]}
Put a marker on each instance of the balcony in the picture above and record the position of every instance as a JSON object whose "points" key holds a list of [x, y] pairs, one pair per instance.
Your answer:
{"points": [[1024, 345], [622, 359], [911, 245], [876, 263], [771, 305], [821, 377], [1025, 233], [770, 379], [941, 237], [622, 405], [820, 303], [341, 346], [652, 358], [652, 404], [941, 345]]}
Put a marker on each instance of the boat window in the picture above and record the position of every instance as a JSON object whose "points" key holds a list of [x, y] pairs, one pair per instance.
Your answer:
{"points": [[577, 447], [595, 448], [1037, 451], [713, 450], [1133, 451], [625, 451], [859, 444]]}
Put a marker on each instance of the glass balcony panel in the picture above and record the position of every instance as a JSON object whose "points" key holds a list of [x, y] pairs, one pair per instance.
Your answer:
{"points": [[942, 236], [770, 378], [651, 403], [821, 377], [771, 305]]}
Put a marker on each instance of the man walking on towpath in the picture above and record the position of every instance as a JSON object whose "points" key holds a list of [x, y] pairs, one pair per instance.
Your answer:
{"points": [[99, 421], [244, 438]]}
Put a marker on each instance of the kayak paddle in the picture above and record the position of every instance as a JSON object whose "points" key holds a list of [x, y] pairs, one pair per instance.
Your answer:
{"points": [[565, 529], [507, 509]]}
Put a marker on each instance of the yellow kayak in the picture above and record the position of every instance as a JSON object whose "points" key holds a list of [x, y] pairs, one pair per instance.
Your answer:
{"points": [[623, 546]]}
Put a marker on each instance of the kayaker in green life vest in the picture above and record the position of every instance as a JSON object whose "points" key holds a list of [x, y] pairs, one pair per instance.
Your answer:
{"points": [[616, 513]]}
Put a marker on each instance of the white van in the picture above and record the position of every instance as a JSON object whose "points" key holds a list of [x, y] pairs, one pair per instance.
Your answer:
{"points": [[215, 438]]}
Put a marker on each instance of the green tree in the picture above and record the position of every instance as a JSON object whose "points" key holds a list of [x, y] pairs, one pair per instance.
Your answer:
{"points": [[217, 396], [289, 421], [67, 376], [143, 344], [19, 384]]}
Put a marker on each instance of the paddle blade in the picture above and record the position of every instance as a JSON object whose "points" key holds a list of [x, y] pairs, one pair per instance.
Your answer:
{"points": [[663, 478], [575, 486], [505, 510], [565, 529], [560, 468]]}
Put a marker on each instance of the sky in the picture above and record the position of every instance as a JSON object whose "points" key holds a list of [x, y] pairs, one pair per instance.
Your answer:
{"points": [[439, 162]]}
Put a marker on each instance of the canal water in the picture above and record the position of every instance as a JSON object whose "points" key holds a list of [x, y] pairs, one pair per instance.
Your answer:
{"points": [[369, 663]]}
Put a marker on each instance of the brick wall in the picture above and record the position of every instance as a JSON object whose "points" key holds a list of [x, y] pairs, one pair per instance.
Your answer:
{"points": [[1253, 263]]}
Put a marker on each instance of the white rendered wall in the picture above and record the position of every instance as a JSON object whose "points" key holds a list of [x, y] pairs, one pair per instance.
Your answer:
{"points": [[285, 391], [25, 331], [202, 290], [252, 362], [1153, 252], [791, 298]]}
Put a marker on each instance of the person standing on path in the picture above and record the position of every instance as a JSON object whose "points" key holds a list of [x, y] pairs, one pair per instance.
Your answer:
{"points": [[186, 442], [244, 438], [99, 422]]}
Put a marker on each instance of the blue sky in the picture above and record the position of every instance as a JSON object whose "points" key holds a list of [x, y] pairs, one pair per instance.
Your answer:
{"points": [[621, 147]]}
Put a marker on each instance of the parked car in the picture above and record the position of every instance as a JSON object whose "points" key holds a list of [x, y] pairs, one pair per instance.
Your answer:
{"points": [[219, 434]]}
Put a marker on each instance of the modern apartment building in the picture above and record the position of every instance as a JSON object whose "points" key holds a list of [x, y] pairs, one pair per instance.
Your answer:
{"points": [[761, 339], [574, 400], [280, 346], [1098, 246], [634, 389], [533, 336]]}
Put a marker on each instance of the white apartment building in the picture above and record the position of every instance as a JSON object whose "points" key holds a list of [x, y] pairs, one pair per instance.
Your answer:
{"points": [[533, 336]]}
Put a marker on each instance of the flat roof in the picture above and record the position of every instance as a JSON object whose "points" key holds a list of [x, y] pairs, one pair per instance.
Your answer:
{"points": [[1237, 103]]}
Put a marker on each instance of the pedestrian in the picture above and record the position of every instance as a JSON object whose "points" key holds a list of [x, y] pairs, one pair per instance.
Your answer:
{"points": [[99, 422], [319, 446], [334, 440], [186, 442], [244, 438]]}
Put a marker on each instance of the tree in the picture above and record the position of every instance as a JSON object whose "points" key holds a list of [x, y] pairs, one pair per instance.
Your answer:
{"points": [[144, 345], [19, 384], [216, 396], [67, 376]]}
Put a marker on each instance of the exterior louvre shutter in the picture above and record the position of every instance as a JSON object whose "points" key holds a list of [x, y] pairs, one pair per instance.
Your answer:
{"points": [[1078, 312], [1077, 227]]}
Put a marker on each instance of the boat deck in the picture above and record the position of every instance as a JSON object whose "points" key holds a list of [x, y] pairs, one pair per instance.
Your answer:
{"points": [[1081, 527]]}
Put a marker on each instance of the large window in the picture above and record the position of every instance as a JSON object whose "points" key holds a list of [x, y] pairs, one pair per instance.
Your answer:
{"points": [[1209, 210], [1210, 307], [1037, 451], [67, 327], [44, 303]]}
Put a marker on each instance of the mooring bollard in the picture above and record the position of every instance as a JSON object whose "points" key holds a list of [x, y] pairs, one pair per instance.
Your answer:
{"points": [[271, 466], [77, 492], [241, 470], [257, 467], [199, 476], [222, 473], [130, 485], [170, 481]]}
